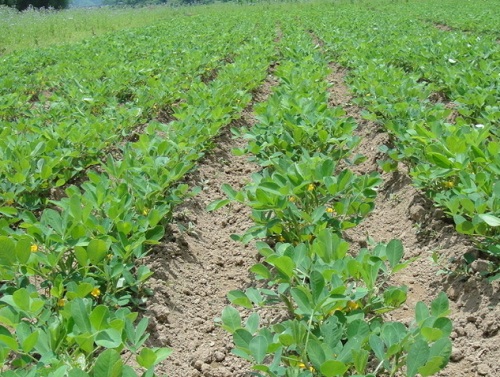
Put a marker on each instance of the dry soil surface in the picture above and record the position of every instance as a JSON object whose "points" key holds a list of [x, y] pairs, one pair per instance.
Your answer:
{"points": [[199, 264]]}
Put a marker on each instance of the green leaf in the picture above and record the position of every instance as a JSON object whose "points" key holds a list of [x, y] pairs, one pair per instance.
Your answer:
{"points": [[417, 357], [315, 353], [284, 264], [444, 324], [395, 296], [332, 368], [85, 341], [302, 301], [99, 317], [97, 250], [254, 295], [440, 160], [421, 312], [332, 331], [214, 206], [329, 246], [108, 364], [162, 353], [237, 297], [317, 214], [393, 332], [360, 359], [394, 251], [252, 323], [146, 358], [317, 282], [440, 307], [30, 342], [8, 341], [242, 338], [81, 256], [53, 219], [21, 298], [430, 334], [23, 250], [258, 348], [231, 319], [377, 346], [18, 178], [80, 315], [463, 225], [271, 188], [155, 234], [229, 191], [9, 211], [490, 219], [7, 251], [431, 367], [261, 271], [441, 348]]}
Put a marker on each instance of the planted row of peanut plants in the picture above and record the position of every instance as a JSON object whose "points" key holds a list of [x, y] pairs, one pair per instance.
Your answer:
{"points": [[479, 16], [437, 93], [70, 272], [63, 110], [332, 299]]}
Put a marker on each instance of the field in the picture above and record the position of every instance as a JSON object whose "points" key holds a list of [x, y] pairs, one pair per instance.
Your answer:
{"points": [[289, 189]]}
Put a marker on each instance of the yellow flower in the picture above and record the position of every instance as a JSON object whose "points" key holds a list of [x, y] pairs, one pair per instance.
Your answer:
{"points": [[34, 248], [330, 210], [281, 239], [61, 302], [310, 187], [145, 211], [96, 292], [449, 184], [352, 305], [9, 202], [292, 199], [303, 366]]}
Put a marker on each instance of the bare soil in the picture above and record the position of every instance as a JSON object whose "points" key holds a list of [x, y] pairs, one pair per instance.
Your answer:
{"points": [[402, 212], [199, 264]]}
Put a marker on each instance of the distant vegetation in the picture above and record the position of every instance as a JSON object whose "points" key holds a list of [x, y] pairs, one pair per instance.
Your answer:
{"points": [[63, 4], [25, 4]]}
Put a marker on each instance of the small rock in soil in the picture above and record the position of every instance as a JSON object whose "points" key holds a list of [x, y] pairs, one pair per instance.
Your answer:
{"points": [[480, 265], [198, 364], [483, 370], [219, 356], [457, 355], [416, 213]]}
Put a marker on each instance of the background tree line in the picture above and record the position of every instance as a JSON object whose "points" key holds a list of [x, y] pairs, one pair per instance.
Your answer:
{"points": [[24, 4], [62, 4]]}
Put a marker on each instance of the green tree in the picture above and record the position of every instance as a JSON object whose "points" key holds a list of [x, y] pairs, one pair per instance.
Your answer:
{"points": [[24, 4]]}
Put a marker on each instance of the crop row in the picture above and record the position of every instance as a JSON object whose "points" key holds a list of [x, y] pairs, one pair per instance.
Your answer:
{"points": [[437, 94], [478, 16], [70, 272], [330, 297], [65, 109]]}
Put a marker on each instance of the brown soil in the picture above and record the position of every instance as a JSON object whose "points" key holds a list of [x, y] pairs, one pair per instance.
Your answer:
{"points": [[198, 265], [404, 213], [443, 27]]}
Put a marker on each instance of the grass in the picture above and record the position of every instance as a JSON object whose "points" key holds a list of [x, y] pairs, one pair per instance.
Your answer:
{"points": [[34, 28]]}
